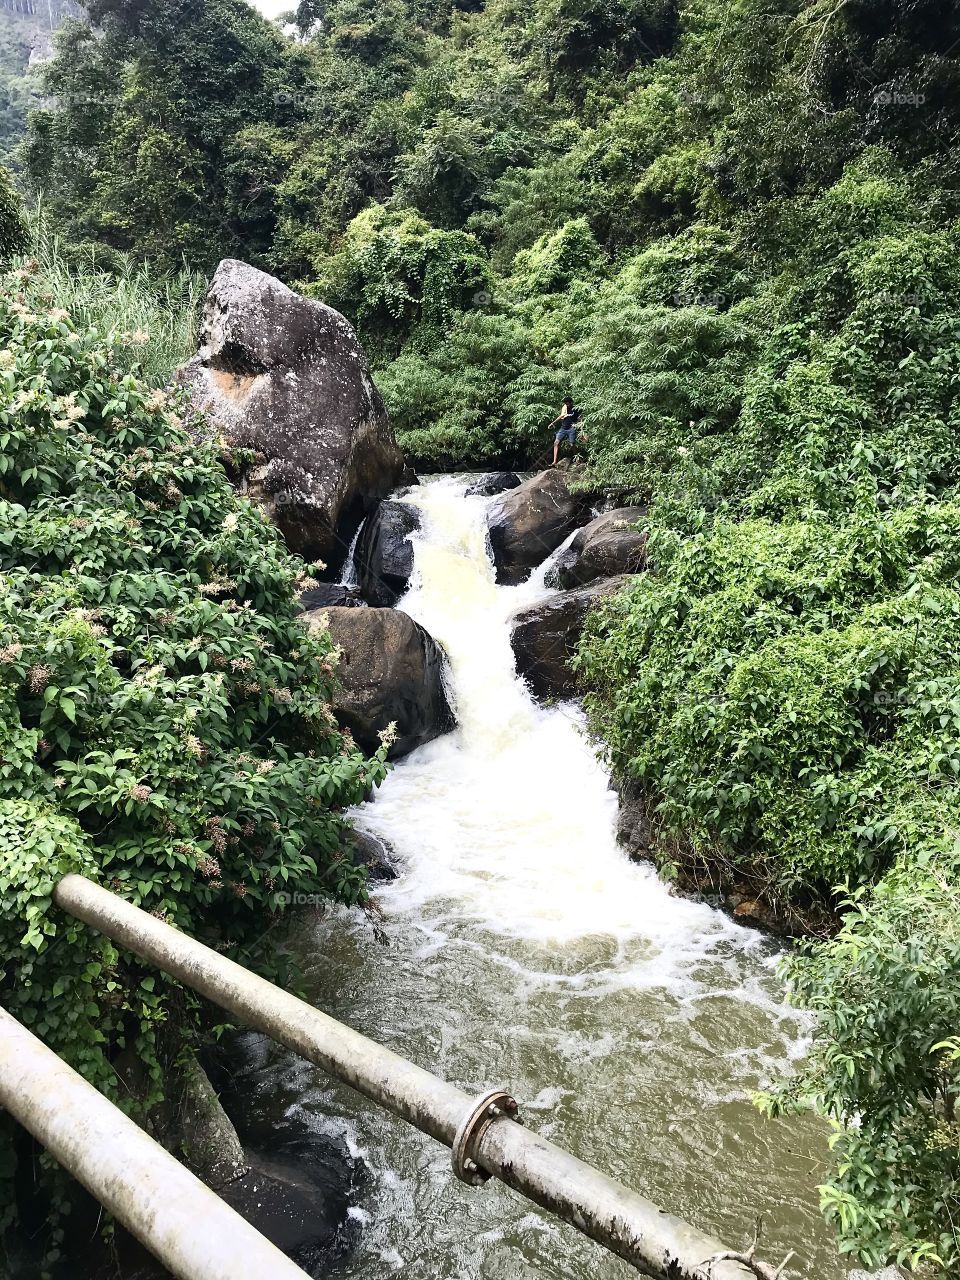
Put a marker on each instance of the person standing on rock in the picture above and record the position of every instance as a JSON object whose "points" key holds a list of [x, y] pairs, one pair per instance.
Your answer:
{"points": [[569, 429]]}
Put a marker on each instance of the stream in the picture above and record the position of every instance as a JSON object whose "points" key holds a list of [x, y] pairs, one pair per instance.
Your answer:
{"points": [[519, 947]]}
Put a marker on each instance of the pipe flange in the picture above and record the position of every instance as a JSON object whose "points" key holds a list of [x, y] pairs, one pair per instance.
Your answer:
{"points": [[472, 1128]]}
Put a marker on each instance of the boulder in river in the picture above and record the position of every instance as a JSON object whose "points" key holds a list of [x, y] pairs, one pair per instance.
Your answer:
{"points": [[384, 553], [609, 545], [492, 483], [530, 522], [285, 377], [332, 595], [374, 853], [391, 671], [545, 636]]}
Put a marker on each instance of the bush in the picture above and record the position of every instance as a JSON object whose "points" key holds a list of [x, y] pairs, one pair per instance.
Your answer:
{"points": [[884, 1066], [394, 271], [166, 724], [12, 230]]}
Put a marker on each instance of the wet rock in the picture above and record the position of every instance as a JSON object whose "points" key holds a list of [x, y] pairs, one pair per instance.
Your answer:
{"points": [[332, 595], [530, 522], [286, 377], [494, 482], [634, 831], [607, 546], [301, 1180], [545, 636], [208, 1143], [374, 853], [384, 553], [391, 671]]}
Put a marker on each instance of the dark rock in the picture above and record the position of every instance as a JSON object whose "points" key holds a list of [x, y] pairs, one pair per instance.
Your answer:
{"points": [[302, 1179], [530, 522], [375, 854], [208, 1143], [384, 553], [634, 831], [391, 671], [545, 636], [286, 377], [607, 546], [331, 595], [495, 482]]}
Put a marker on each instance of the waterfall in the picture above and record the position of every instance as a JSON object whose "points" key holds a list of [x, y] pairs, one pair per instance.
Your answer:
{"points": [[519, 947]]}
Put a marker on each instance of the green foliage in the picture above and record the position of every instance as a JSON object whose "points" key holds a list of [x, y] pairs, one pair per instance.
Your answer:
{"points": [[150, 316], [166, 724], [170, 129], [886, 992], [729, 228], [394, 270], [12, 229]]}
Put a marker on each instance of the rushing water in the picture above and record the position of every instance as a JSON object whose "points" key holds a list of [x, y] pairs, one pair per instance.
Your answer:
{"points": [[519, 947]]}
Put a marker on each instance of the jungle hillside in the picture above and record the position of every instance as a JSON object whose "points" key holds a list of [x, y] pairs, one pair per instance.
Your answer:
{"points": [[728, 228]]}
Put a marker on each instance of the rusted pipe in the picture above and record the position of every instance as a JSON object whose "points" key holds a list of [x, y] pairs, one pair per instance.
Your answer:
{"points": [[656, 1243], [183, 1224]]}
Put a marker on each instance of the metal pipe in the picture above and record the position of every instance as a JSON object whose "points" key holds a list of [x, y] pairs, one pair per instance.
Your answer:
{"points": [[183, 1224], [656, 1243]]}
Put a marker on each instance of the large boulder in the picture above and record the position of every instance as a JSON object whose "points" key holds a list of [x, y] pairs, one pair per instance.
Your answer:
{"points": [[492, 483], [530, 522], [607, 546], [545, 636], [391, 671], [285, 376], [384, 554]]}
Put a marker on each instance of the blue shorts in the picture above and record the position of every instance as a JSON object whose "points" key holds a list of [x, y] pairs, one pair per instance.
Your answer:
{"points": [[566, 434]]}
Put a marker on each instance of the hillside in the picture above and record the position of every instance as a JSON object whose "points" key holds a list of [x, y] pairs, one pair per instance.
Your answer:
{"points": [[27, 28], [728, 228]]}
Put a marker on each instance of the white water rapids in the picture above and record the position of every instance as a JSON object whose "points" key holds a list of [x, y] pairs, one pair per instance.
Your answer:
{"points": [[520, 948]]}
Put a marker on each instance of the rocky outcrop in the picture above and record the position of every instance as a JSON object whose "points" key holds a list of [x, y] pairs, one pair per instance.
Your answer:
{"points": [[391, 671], [545, 637], [493, 483], [285, 377], [609, 545], [332, 595], [384, 553], [530, 522]]}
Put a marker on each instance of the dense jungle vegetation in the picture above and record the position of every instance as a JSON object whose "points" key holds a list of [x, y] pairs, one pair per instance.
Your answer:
{"points": [[730, 228]]}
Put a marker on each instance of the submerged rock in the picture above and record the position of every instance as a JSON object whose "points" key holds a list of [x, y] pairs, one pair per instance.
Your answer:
{"points": [[391, 671], [492, 483], [607, 546], [384, 553], [545, 637], [530, 522], [285, 376]]}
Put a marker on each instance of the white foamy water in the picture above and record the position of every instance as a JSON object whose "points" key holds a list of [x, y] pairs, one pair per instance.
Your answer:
{"points": [[511, 817], [520, 947]]}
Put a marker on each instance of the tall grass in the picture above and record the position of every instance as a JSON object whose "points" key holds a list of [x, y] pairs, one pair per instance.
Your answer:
{"points": [[155, 314]]}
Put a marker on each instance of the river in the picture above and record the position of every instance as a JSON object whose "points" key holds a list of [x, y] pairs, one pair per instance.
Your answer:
{"points": [[520, 947]]}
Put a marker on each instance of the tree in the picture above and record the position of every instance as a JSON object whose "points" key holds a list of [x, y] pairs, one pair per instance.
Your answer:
{"points": [[12, 229]]}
